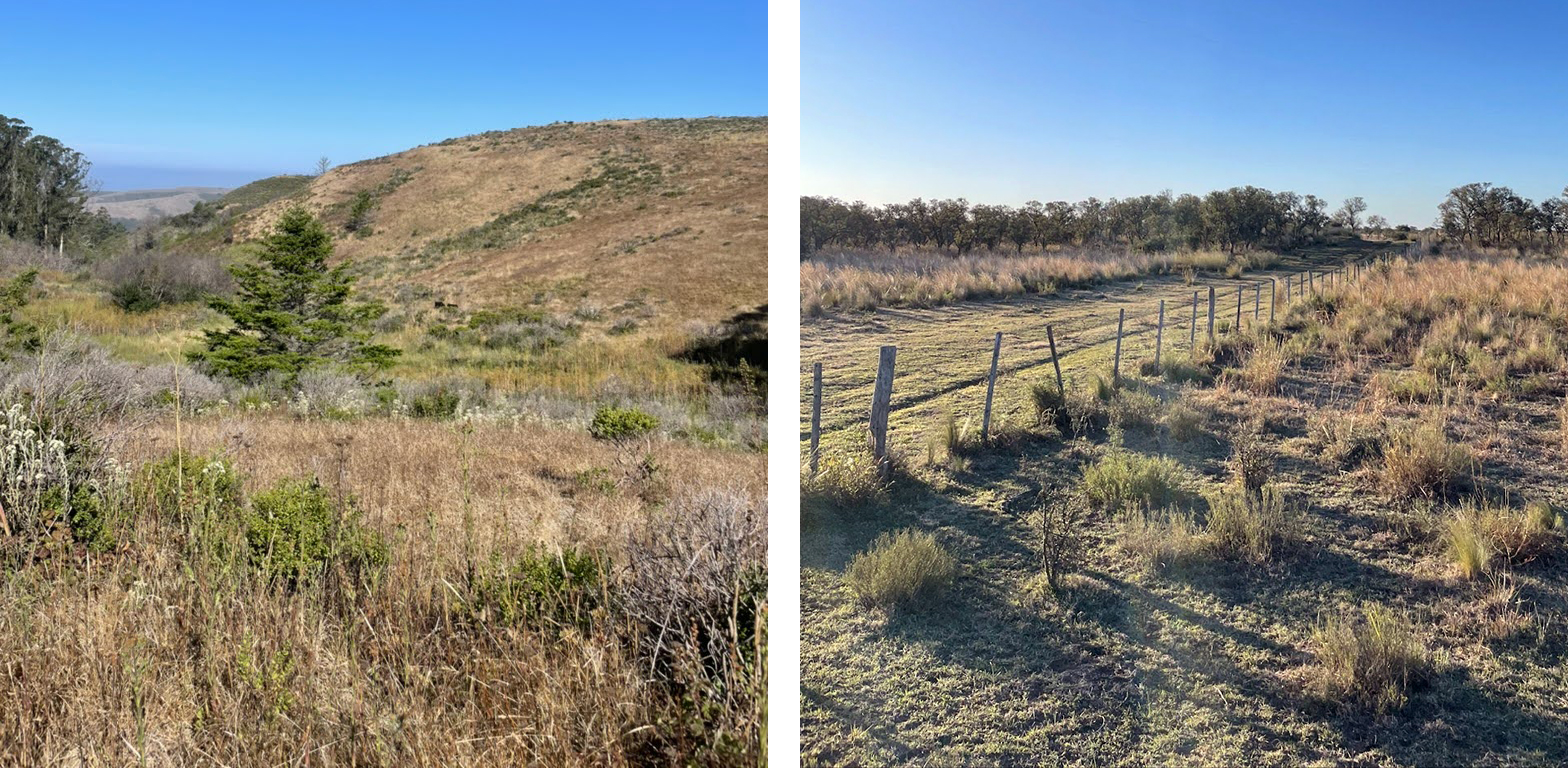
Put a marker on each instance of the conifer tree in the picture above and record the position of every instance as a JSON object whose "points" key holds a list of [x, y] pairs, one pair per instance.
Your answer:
{"points": [[291, 312]]}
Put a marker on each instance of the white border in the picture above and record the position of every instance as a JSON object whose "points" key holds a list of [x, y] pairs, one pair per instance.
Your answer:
{"points": [[783, 734]]}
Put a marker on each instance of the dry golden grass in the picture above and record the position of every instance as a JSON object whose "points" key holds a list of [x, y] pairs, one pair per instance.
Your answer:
{"points": [[147, 655], [694, 244]]}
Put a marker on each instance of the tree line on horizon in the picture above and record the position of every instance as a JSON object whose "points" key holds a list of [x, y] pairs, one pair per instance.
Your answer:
{"points": [[44, 191], [1234, 219]]}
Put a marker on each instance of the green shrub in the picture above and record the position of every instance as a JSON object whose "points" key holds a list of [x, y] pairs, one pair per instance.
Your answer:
{"points": [[1121, 478], [561, 588], [1050, 406], [439, 403], [1134, 409], [183, 487], [295, 531], [1371, 663], [1186, 372], [612, 423], [900, 567]]}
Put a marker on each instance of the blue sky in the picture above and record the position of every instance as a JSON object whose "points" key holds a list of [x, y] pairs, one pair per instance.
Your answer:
{"points": [[163, 94], [1004, 102]]}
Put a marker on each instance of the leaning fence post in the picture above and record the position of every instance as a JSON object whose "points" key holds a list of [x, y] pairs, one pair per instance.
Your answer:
{"points": [[1116, 365], [1211, 314], [990, 387], [816, 414], [1159, 335], [881, 399], [1051, 337]]}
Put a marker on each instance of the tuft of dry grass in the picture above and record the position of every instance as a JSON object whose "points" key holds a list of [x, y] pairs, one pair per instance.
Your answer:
{"points": [[899, 567], [1421, 461], [1371, 661]]}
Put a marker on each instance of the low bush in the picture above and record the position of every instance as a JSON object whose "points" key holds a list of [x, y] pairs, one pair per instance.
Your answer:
{"points": [[438, 403], [1261, 370], [1134, 409], [613, 423], [1371, 662], [1050, 406], [1251, 459], [1183, 421], [1061, 536], [296, 531], [541, 586], [143, 280], [900, 567], [1121, 478], [183, 487]]}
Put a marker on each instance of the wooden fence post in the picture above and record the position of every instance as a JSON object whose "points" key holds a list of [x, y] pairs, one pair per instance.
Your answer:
{"points": [[1237, 329], [1287, 290], [1211, 314], [1116, 365], [1273, 298], [881, 401], [1192, 333], [816, 415], [1257, 301], [990, 387], [1051, 337], [1159, 336]]}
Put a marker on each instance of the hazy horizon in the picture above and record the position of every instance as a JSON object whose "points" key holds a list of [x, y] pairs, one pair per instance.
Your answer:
{"points": [[1002, 103], [248, 93]]}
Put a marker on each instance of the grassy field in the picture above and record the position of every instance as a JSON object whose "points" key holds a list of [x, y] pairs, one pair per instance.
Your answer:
{"points": [[1392, 417]]}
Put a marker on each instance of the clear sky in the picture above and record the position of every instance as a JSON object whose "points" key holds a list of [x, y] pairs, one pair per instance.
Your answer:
{"points": [[1004, 102], [218, 94]]}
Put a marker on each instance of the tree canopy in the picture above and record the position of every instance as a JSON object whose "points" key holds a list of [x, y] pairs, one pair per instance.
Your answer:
{"points": [[43, 191]]}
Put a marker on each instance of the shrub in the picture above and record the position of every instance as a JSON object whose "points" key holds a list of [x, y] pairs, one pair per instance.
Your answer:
{"points": [[612, 423], [1134, 409], [1371, 663], [1160, 539], [561, 588], [1184, 421], [1251, 526], [1421, 461], [438, 403], [1251, 459], [1186, 372], [900, 567], [295, 531], [183, 487], [143, 280], [1061, 538], [320, 392], [844, 480], [1050, 405], [1086, 411], [1261, 371], [1342, 439], [1121, 478]]}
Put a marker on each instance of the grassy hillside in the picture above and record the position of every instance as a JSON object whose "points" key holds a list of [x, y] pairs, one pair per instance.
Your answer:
{"points": [[663, 219]]}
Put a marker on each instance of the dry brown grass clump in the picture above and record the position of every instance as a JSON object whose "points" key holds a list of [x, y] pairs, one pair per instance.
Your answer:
{"points": [[1371, 661], [1421, 461]]}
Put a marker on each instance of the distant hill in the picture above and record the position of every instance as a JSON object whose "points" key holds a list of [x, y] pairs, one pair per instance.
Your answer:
{"points": [[134, 207], [667, 214]]}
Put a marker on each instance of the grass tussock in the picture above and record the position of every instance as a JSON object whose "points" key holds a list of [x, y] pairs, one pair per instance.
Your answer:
{"points": [[1161, 539], [1369, 662], [1478, 534], [1421, 461], [1123, 479], [845, 480], [1251, 526], [900, 567]]}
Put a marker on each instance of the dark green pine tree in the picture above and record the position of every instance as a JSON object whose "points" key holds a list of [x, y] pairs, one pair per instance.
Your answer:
{"points": [[291, 312]]}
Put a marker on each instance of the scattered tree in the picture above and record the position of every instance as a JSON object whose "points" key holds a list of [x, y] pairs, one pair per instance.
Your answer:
{"points": [[322, 164], [291, 312], [1349, 214]]}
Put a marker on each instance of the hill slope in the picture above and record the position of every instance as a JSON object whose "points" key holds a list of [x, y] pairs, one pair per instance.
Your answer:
{"points": [[670, 215]]}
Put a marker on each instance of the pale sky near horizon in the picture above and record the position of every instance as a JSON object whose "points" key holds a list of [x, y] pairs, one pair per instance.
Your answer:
{"points": [[1005, 102], [163, 94]]}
